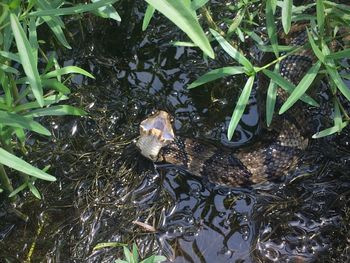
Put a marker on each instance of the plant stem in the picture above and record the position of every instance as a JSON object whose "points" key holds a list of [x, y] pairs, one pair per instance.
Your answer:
{"points": [[4, 180]]}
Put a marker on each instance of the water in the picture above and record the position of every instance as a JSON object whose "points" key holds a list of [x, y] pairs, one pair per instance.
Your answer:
{"points": [[106, 190]]}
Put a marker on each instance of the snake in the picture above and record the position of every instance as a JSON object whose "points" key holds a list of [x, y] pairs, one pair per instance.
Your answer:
{"points": [[268, 159]]}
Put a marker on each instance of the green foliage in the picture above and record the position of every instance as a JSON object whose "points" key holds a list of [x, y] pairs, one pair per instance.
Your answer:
{"points": [[133, 257], [27, 91]]}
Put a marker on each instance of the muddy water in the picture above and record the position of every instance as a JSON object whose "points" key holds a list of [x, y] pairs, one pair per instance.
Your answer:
{"points": [[105, 190]]}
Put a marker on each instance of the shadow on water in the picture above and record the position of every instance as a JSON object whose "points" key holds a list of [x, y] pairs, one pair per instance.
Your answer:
{"points": [[107, 192]]}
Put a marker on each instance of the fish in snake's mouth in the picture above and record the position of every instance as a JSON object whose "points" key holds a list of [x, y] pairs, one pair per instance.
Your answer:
{"points": [[155, 132]]}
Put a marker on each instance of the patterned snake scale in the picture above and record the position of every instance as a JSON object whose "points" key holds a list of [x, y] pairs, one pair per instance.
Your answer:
{"points": [[266, 160]]}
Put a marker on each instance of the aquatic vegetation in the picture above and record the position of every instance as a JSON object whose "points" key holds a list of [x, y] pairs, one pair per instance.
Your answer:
{"points": [[133, 257], [33, 84]]}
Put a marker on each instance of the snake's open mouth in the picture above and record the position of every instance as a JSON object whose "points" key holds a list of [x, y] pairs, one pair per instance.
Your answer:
{"points": [[155, 132]]}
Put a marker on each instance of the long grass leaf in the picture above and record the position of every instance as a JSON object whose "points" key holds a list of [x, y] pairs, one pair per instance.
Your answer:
{"points": [[315, 48], [78, 9], [234, 53], [196, 4], [216, 74], [184, 18], [27, 59], [287, 86], [287, 15], [9, 55], [18, 164], [301, 88], [148, 16], [320, 16], [330, 130], [58, 110], [271, 26], [240, 107], [15, 120], [271, 98], [9, 69], [107, 11], [335, 77], [340, 54], [67, 70]]}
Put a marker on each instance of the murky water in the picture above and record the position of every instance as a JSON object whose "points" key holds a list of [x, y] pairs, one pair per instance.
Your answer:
{"points": [[106, 190]]}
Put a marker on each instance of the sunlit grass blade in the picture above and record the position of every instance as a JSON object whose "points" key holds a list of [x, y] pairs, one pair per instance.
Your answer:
{"points": [[34, 105], [271, 98], [67, 70], [337, 114], [82, 8], [58, 110], [183, 44], [315, 48], [320, 16], [240, 106], [271, 26], [18, 189], [196, 4], [12, 56], [287, 15], [34, 190], [330, 130], [234, 53], [9, 69], [107, 11], [236, 21], [287, 86], [335, 77], [15, 120], [18, 164], [216, 74], [148, 16], [27, 59], [302, 87], [56, 85], [340, 54], [184, 18], [57, 30]]}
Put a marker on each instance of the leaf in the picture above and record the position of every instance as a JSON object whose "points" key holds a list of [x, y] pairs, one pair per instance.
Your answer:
{"points": [[240, 106], [236, 21], [335, 77], [196, 4], [67, 70], [18, 164], [234, 53], [287, 15], [337, 114], [216, 74], [271, 26], [34, 190], [340, 54], [184, 18], [108, 244], [18, 189], [77, 9], [287, 86], [330, 131], [301, 88], [27, 59], [56, 85], [127, 254], [15, 120], [315, 48], [12, 56], [58, 110], [271, 98], [135, 253], [320, 16], [148, 16], [8, 69], [107, 11], [33, 105]]}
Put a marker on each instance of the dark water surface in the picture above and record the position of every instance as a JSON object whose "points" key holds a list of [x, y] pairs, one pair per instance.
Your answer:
{"points": [[105, 190]]}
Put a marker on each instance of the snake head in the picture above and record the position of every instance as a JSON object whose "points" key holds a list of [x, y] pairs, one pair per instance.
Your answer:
{"points": [[155, 132]]}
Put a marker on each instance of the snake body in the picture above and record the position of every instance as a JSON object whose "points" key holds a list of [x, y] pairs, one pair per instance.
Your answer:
{"points": [[276, 155]]}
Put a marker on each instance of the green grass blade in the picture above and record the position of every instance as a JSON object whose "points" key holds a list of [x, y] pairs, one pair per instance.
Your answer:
{"points": [[78, 9], [302, 87], [67, 70], [335, 77], [15, 120], [34, 105], [330, 131], [9, 69], [234, 53], [240, 106], [337, 114], [340, 54], [148, 16], [18, 164], [271, 98], [315, 48], [184, 18], [216, 74], [196, 4], [34, 190], [58, 110], [287, 86], [18, 189], [287, 15], [9, 55], [27, 59], [56, 85], [320, 16], [107, 11], [271, 26]]}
